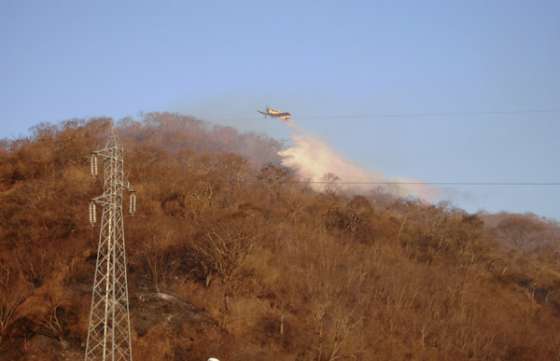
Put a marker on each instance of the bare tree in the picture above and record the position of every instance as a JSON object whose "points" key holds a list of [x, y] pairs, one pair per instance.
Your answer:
{"points": [[13, 291]]}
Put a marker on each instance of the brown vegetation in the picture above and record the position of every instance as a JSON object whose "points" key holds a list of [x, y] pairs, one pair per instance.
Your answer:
{"points": [[227, 257]]}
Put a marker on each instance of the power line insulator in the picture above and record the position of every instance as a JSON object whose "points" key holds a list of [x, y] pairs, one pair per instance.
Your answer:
{"points": [[93, 162], [92, 213], [132, 203]]}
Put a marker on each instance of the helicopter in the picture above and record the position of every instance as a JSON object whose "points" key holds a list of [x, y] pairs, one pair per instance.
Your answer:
{"points": [[275, 113]]}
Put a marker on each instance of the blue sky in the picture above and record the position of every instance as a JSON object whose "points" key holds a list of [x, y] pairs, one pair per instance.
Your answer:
{"points": [[221, 60]]}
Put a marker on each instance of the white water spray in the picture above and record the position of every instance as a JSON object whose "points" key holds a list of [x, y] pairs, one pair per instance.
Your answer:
{"points": [[315, 160]]}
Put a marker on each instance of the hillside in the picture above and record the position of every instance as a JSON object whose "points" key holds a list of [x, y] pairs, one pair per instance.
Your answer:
{"points": [[230, 257]]}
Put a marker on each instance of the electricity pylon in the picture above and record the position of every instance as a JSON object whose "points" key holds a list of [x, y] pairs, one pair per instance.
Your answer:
{"points": [[109, 321]]}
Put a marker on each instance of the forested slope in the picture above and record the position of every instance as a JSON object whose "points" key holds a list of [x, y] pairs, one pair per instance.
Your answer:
{"points": [[229, 256]]}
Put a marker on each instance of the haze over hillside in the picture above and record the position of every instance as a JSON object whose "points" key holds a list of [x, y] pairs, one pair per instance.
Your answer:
{"points": [[463, 91], [231, 255]]}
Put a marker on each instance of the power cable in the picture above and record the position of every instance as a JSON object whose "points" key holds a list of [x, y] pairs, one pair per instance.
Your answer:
{"points": [[499, 184], [432, 114], [413, 115]]}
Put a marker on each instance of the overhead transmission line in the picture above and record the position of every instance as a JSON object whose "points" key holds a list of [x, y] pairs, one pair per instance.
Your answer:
{"points": [[427, 115], [432, 114], [498, 184], [415, 115]]}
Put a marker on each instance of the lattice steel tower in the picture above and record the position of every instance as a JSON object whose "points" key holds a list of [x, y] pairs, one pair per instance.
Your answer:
{"points": [[109, 321]]}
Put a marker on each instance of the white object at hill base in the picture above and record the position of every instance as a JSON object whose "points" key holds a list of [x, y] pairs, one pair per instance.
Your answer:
{"points": [[213, 359]]}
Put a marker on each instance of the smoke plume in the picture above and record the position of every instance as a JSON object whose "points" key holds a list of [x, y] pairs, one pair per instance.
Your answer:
{"points": [[316, 161]]}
